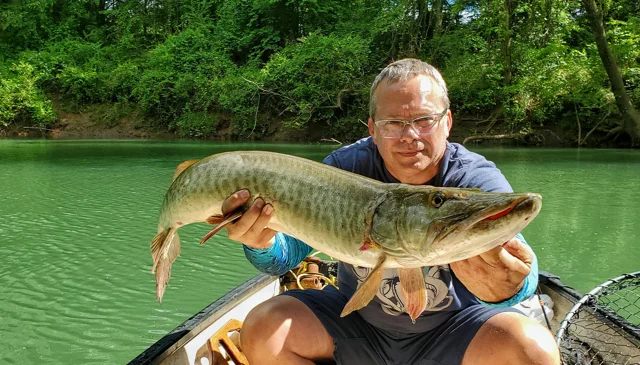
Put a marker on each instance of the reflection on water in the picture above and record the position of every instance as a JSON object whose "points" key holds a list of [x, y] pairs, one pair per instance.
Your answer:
{"points": [[76, 218]]}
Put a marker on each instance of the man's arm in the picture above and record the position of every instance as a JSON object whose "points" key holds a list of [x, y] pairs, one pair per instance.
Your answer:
{"points": [[269, 251], [284, 254], [508, 273], [501, 277]]}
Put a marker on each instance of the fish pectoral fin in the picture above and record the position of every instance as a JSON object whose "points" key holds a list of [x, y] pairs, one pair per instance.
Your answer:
{"points": [[413, 291], [368, 244], [165, 248], [183, 166], [221, 222], [367, 290]]}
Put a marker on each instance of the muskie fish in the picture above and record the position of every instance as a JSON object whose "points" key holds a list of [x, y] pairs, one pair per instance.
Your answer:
{"points": [[352, 218]]}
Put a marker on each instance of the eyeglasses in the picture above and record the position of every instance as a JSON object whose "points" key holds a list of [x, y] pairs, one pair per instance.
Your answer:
{"points": [[424, 125]]}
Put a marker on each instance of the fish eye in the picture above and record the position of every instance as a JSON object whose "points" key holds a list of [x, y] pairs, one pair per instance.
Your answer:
{"points": [[437, 199]]}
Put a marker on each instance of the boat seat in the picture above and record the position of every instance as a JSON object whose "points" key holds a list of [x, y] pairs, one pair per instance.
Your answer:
{"points": [[225, 345]]}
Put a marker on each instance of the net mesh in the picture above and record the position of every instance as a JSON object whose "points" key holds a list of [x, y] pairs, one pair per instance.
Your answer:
{"points": [[605, 329]]}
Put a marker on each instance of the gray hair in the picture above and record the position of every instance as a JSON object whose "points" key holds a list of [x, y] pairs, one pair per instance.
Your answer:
{"points": [[404, 70]]}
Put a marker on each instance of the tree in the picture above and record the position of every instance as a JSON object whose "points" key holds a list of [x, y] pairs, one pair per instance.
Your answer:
{"points": [[437, 18], [630, 116], [507, 41]]}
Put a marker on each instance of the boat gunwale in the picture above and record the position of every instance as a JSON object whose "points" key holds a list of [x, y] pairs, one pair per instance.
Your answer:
{"points": [[190, 328], [554, 283]]}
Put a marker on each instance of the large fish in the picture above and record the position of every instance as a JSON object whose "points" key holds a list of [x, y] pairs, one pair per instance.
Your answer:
{"points": [[350, 217]]}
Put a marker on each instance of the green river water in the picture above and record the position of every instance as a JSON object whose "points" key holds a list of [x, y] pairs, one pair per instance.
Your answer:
{"points": [[76, 218]]}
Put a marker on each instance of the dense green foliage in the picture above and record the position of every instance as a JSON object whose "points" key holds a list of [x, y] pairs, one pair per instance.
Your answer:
{"points": [[282, 68]]}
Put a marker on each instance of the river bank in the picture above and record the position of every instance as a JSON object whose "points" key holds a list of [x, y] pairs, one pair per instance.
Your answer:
{"points": [[112, 121]]}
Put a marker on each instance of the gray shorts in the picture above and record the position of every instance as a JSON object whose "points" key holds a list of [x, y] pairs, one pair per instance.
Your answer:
{"points": [[358, 342]]}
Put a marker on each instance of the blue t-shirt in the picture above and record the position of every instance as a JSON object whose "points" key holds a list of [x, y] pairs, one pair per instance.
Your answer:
{"points": [[446, 294]]}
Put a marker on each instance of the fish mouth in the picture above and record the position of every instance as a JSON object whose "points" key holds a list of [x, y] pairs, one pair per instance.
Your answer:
{"points": [[527, 202], [492, 222], [505, 211], [484, 218]]}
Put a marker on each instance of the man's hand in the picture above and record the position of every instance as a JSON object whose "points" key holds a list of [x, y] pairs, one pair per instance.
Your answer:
{"points": [[250, 229], [498, 274]]}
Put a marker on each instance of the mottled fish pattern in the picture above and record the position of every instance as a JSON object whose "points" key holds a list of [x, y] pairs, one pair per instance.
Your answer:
{"points": [[350, 217]]}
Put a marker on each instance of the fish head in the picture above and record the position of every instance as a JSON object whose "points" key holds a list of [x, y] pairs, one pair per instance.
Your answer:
{"points": [[436, 226]]}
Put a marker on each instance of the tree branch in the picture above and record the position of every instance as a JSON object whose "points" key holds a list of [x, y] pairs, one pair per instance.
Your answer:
{"points": [[519, 136], [331, 140], [338, 104], [594, 127]]}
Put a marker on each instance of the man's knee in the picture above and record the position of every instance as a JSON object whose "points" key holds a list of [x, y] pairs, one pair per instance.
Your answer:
{"points": [[284, 330], [537, 344], [532, 343], [514, 339], [267, 318]]}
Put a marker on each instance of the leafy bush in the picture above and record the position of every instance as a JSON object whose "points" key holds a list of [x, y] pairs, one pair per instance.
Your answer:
{"points": [[196, 125], [474, 83], [625, 40], [82, 85], [156, 95], [181, 75], [20, 99], [237, 94], [76, 52], [122, 81], [554, 80], [79, 70], [306, 78]]}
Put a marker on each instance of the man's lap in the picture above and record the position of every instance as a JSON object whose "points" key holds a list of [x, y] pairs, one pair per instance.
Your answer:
{"points": [[358, 342]]}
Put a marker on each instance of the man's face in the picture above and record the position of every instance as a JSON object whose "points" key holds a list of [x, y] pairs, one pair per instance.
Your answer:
{"points": [[411, 158]]}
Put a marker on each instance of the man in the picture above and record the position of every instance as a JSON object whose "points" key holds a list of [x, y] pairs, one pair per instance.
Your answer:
{"points": [[467, 320]]}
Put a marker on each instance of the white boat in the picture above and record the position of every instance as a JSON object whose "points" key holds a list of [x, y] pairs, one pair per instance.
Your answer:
{"points": [[211, 336]]}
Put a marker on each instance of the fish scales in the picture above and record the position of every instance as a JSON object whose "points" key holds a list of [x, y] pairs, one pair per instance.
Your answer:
{"points": [[350, 217], [319, 206], [310, 203]]}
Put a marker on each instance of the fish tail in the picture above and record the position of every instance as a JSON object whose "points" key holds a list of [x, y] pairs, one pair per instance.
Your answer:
{"points": [[165, 248]]}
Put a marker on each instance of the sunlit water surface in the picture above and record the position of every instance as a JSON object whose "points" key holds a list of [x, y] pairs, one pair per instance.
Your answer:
{"points": [[76, 218]]}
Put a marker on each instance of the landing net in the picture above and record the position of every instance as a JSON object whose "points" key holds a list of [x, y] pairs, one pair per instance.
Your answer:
{"points": [[604, 326]]}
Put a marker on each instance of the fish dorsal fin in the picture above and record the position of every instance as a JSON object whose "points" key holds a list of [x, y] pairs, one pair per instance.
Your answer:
{"points": [[367, 290], [183, 166]]}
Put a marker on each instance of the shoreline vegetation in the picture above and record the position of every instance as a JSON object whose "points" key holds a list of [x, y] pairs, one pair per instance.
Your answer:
{"points": [[533, 73]]}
